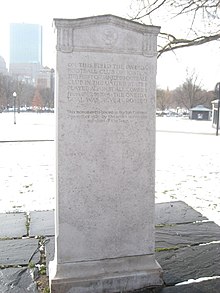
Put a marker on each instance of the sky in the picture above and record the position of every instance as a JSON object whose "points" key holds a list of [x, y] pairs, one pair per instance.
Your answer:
{"points": [[172, 67]]}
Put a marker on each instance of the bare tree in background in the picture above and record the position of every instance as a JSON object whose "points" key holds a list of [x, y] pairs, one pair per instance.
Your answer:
{"points": [[190, 93], [163, 99], [199, 19], [8, 85]]}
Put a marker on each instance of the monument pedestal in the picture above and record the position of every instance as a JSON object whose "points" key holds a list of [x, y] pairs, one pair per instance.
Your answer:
{"points": [[110, 275], [105, 110]]}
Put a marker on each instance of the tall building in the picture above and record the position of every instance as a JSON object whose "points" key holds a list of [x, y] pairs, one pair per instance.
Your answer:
{"points": [[25, 50]]}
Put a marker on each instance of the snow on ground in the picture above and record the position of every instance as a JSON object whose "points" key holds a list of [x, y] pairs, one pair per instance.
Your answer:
{"points": [[28, 126], [187, 163], [27, 168]]}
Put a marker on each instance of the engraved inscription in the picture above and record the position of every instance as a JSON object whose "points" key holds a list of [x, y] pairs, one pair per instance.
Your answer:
{"points": [[107, 116], [109, 84]]}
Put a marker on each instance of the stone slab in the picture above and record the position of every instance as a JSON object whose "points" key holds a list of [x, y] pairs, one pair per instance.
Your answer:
{"points": [[164, 254], [15, 280], [107, 275], [176, 212], [13, 225], [18, 251], [42, 223], [186, 234], [105, 138], [203, 286], [210, 286], [190, 263]]}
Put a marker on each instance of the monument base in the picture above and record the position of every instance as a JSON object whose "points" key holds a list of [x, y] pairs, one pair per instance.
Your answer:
{"points": [[108, 275]]}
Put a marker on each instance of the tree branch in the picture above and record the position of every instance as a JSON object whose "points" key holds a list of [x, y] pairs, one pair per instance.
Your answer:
{"points": [[175, 43], [149, 10]]}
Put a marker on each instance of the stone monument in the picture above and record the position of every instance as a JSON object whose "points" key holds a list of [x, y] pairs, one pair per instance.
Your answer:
{"points": [[105, 107]]}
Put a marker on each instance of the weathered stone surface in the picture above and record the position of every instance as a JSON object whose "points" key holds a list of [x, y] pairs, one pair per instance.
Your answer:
{"points": [[42, 223], [106, 128], [209, 286], [18, 251], [107, 275], [15, 280], [186, 234], [50, 250], [189, 263], [12, 225], [106, 155], [176, 212]]}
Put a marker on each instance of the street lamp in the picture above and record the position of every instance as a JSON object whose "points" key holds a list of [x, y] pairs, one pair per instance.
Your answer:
{"points": [[217, 90], [14, 96]]}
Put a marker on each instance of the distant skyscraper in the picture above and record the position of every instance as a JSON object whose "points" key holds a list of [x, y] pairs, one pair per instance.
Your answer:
{"points": [[25, 49], [25, 43]]}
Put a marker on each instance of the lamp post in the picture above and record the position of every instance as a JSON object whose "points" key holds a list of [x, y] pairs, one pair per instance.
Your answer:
{"points": [[14, 96], [217, 90]]}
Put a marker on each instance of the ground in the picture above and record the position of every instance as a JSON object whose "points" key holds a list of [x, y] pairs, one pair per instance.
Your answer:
{"points": [[187, 165]]}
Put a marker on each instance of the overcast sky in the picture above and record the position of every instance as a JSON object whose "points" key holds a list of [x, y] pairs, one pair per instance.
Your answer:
{"points": [[204, 60]]}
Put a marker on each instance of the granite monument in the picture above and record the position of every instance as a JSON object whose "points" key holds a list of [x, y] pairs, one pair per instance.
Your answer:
{"points": [[105, 109]]}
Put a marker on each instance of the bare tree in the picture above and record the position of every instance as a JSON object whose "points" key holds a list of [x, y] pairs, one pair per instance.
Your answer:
{"points": [[200, 18], [163, 99], [7, 87], [3, 99], [190, 93]]}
